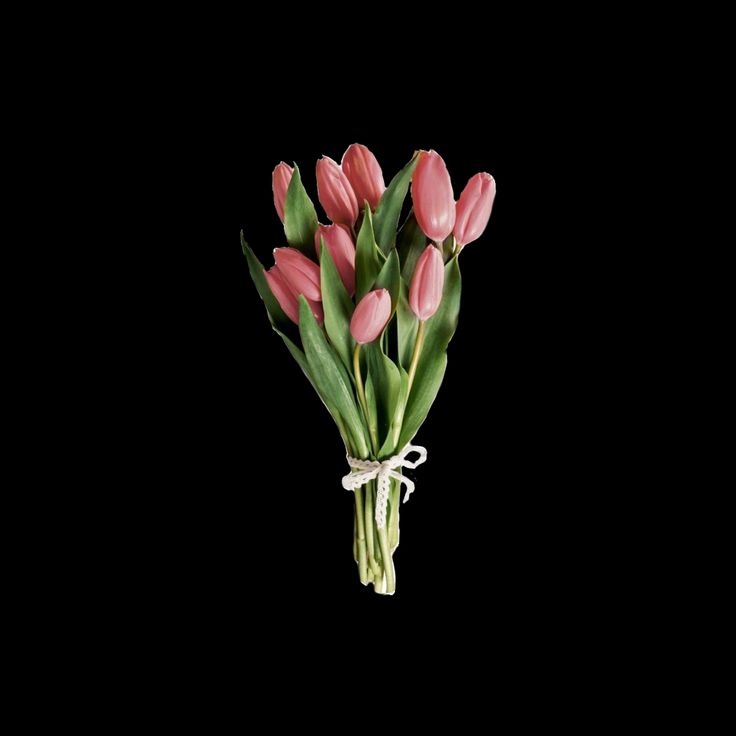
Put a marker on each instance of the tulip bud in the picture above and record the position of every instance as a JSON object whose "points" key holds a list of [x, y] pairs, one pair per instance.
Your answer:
{"points": [[287, 298], [431, 192], [370, 316], [364, 174], [425, 292], [281, 177], [473, 209], [282, 291], [335, 193], [340, 246], [301, 273]]}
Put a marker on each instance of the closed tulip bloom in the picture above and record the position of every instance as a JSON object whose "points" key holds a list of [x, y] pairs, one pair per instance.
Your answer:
{"points": [[431, 192], [281, 178], [364, 174], [370, 316], [282, 291], [474, 208], [339, 243], [335, 192], [301, 273], [425, 292], [287, 298]]}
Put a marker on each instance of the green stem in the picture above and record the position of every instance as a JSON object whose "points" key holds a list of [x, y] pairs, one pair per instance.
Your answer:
{"points": [[388, 563], [362, 556], [393, 515], [358, 377], [355, 535], [369, 529], [415, 357]]}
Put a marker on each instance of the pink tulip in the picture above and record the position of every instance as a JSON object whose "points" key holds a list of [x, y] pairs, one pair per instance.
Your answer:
{"points": [[364, 174], [301, 273], [431, 191], [370, 316], [281, 177], [287, 298], [473, 209], [425, 292], [340, 246], [335, 193]]}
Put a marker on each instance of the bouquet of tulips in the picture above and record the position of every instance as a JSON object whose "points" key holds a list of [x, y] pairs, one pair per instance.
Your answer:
{"points": [[367, 308]]}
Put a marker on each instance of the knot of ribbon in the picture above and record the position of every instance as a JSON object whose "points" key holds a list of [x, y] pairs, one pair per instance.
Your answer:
{"points": [[369, 470]]}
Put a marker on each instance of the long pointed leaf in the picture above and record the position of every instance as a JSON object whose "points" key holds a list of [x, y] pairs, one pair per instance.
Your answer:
{"points": [[330, 376], [279, 322], [433, 360], [389, 278], [300, 217], [301, 359], [391, 445], [338, 309], [387, 383], [423, 394], [407, 326], [367, 264], [386, 219], [441, 326], [410, 245]]}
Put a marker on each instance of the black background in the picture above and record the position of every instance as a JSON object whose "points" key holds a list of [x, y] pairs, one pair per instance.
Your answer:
{"points": [[504, 519]]}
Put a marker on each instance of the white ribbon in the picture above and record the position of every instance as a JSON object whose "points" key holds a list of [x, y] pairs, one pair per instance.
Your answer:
{"points": [[370, 469]]}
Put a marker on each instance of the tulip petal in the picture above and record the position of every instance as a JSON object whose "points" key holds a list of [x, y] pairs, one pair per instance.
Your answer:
{"points": [[434, 201], [364, 174], [371, 316]]}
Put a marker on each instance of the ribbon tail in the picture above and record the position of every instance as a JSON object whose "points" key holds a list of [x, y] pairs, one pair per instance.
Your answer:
{"points": [[409, 488]]}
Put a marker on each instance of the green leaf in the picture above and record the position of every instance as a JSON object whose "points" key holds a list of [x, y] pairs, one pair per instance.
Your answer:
{"points": [[390, 446], [338, 308], [389, 278], [279, 322], [423, 394], [407, 325], [330, 376], [389, 208], [441, 326], [301, 359], [433, 360], [300, 217], [298, 355], [387, 383], [411, 244], [367, 264], [275, 313]]}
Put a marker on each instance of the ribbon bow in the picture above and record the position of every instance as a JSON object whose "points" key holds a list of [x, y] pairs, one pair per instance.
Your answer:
{"points": [[384, 471]]}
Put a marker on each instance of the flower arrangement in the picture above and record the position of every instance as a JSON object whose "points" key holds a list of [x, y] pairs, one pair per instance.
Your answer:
{"points": [[367, 309]]}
